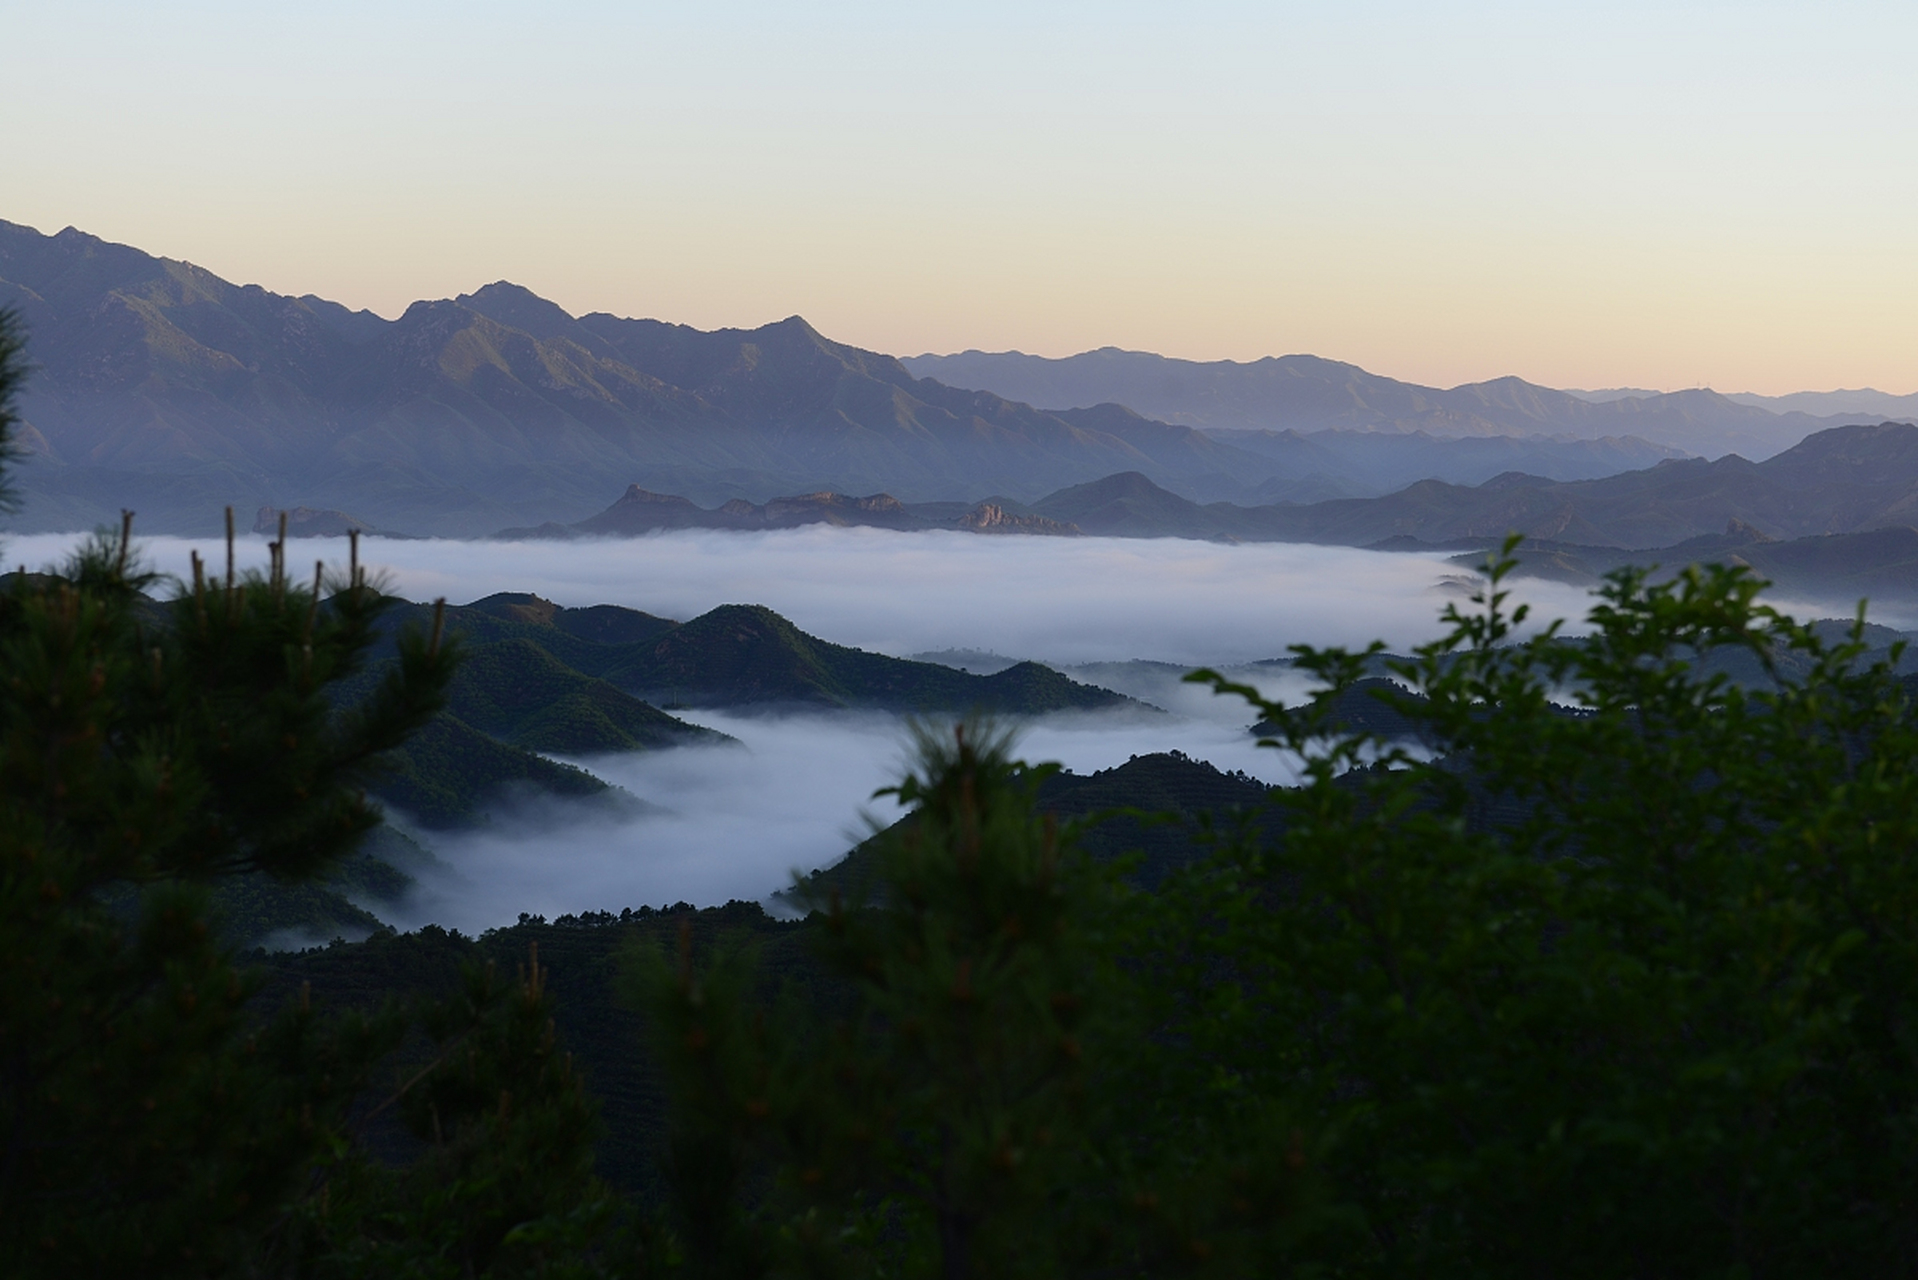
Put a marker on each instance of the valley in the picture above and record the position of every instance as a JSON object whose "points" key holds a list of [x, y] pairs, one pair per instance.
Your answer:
{"points": [[606, 756], [710, 576]]}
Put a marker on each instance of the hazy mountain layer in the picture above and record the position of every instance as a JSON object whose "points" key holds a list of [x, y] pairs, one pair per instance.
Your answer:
{"points": [[1842, 480], [1837, 569], [1305, 394], [165, 388], [640, 511], [1863, 401], [1361, 464]]}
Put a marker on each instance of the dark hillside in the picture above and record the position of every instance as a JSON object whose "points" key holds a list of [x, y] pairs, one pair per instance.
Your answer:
{"points": [[1193, 798], [1367, 707], [448, 773], [611, 624], [543, 678], [523, 695], [582, 954], [520, 693], [743, 654]]}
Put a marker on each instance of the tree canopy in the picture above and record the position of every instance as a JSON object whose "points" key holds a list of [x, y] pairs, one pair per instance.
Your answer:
{"points": [[1589, 959]]}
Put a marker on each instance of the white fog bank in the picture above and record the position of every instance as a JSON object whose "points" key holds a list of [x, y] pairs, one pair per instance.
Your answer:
{"points": [[1059, 600], [739, 821]]}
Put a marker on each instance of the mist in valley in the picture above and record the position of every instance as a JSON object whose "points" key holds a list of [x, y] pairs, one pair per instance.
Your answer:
{"points": [[1056, 600], [708, 824], [738, 822]]}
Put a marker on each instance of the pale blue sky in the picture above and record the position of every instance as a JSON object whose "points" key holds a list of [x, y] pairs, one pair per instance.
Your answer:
{"points": [[1592, 194]]}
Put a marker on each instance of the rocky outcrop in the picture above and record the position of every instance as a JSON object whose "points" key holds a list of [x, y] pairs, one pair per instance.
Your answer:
{"points": [[990, 517]]}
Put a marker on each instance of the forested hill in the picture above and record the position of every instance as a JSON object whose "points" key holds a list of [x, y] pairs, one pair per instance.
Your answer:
{"points": [[741, 656], [1193, 803], [538, 680]]}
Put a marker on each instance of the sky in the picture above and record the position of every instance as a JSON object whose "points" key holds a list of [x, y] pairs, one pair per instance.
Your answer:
{"points": [[1599, 194]]}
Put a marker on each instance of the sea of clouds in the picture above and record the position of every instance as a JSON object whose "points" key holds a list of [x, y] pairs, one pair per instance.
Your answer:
{"points": [[1060, 600], [737, 822]]}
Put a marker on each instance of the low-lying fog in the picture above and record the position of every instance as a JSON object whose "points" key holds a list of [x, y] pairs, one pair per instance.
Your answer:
{"points": [[736, 822], [1054, 599]]}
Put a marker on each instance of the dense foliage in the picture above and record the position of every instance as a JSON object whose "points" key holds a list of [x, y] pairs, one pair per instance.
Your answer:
{"points": [[1585, 959], [1621, 990], [1606, 967], [152, 1120]]}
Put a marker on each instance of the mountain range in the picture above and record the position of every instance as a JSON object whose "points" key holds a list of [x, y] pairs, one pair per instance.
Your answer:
{"points": [[1839, 480], [164, 388], [1833, 568], [1307, 394], [1857, 402], [1832, 517]]}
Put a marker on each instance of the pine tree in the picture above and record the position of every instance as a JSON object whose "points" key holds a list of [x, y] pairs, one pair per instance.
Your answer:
{"points": [[150, 1122]]}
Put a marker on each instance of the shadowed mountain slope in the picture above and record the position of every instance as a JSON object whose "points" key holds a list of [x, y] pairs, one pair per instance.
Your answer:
{"points": [[525, 696], [531, 655], [745, 654], [449, 774], [540, 678], [1186, 794]]}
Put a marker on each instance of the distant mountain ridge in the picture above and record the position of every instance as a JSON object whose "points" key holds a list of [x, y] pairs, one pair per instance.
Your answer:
{"points": [[1829, 568], [1305, 393], [1363, 464], [1837, 510], [165, 388], [1840, 480], [641, 511], [1863, 400]]}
